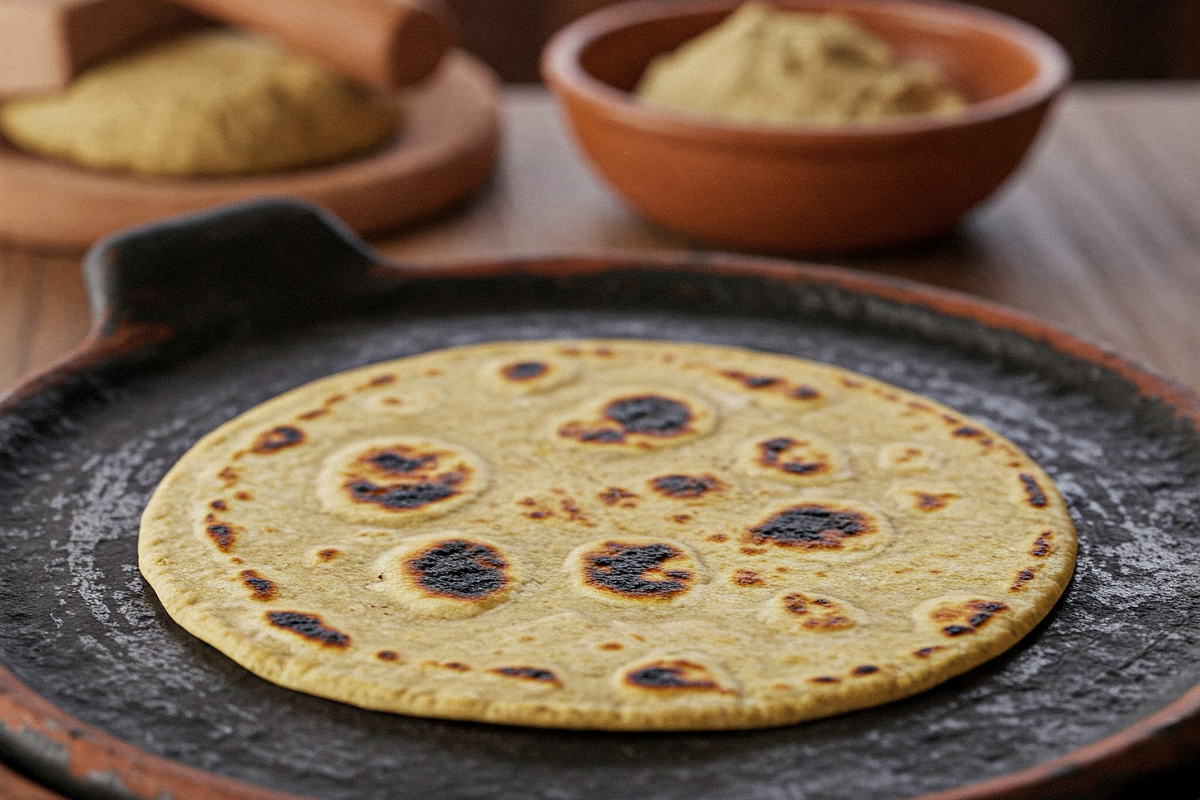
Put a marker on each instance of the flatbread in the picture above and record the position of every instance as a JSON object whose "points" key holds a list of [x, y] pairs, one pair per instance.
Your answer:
{"points": [[607, 534]]}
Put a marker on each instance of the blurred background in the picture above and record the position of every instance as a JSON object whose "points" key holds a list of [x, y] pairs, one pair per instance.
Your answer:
{"points": [[1108, 39]]}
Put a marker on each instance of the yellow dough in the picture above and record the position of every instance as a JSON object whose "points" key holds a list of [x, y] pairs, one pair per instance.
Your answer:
{"points": [[607, 534], [214, 103], [764, 65]]}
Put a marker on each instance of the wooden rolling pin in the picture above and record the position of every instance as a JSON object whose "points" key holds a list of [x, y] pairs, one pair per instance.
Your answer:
{"points": [[383, 43]]}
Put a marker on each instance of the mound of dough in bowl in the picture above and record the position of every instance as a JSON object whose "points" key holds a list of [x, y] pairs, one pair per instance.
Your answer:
{"points": [[211, 104], [607, 534], [764, 65]]}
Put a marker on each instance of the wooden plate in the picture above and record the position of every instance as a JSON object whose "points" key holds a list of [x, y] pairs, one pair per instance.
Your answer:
{"points": [[445, 150]]}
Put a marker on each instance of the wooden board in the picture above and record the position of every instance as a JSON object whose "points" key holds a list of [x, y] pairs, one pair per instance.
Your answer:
{"points": [[446, 148]]}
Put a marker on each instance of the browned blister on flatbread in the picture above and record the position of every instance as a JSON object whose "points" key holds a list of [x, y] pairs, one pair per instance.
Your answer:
{"points": [[673, 677], [393, 480], [957, 615], [607, 534], [634, 570], [635, 419], [310, 627], [533, 373], [446, 574], [821, 529], [803, 612], [680, 486], [794, 394], [799, 458]]}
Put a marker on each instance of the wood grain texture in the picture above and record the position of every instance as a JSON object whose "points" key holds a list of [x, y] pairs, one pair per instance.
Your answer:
{"points": [[1098, 233]]}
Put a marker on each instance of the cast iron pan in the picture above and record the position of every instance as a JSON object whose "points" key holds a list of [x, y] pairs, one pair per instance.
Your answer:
{"points": [[103, 696]]}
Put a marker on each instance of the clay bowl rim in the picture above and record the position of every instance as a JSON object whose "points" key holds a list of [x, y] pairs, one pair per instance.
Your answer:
{"points": [[562, 70]]}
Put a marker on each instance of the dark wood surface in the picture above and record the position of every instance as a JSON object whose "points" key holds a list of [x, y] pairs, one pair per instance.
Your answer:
{"points": [[1099, 233], [1106, 38]]}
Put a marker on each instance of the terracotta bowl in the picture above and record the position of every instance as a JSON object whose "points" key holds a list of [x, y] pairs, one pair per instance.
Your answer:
{"points": [[806, 187]]}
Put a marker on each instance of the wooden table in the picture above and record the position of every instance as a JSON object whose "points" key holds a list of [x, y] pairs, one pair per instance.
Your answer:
{"points": [[1100, 232]]}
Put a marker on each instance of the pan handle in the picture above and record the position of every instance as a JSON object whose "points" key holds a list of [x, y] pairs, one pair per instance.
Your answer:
{"points": [[253, 265]]}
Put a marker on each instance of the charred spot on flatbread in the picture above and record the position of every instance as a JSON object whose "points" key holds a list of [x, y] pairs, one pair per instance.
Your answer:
{"points": [[641, 419], [955, 616], [773, 453], [813, 526], [401, 478], [408, 478], [1041, 545], [672, 676], [1033, 491], [557, 506], [1023, 577], [796, 458], [817, 613], [528, 373], [399, 460], [795, 611], [686, 487], [222, 534], [615, 494], [927, 500], [865, 669], [524, 370], [636, 570], [535, 674], [310, 626], [260, 588], [650, 414], [400, 497], [907, 457], [773, 384], [278, 438], [752, 381], [459, 569], [388, 655], [446, 575], [746, 577], [591, 435]]}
